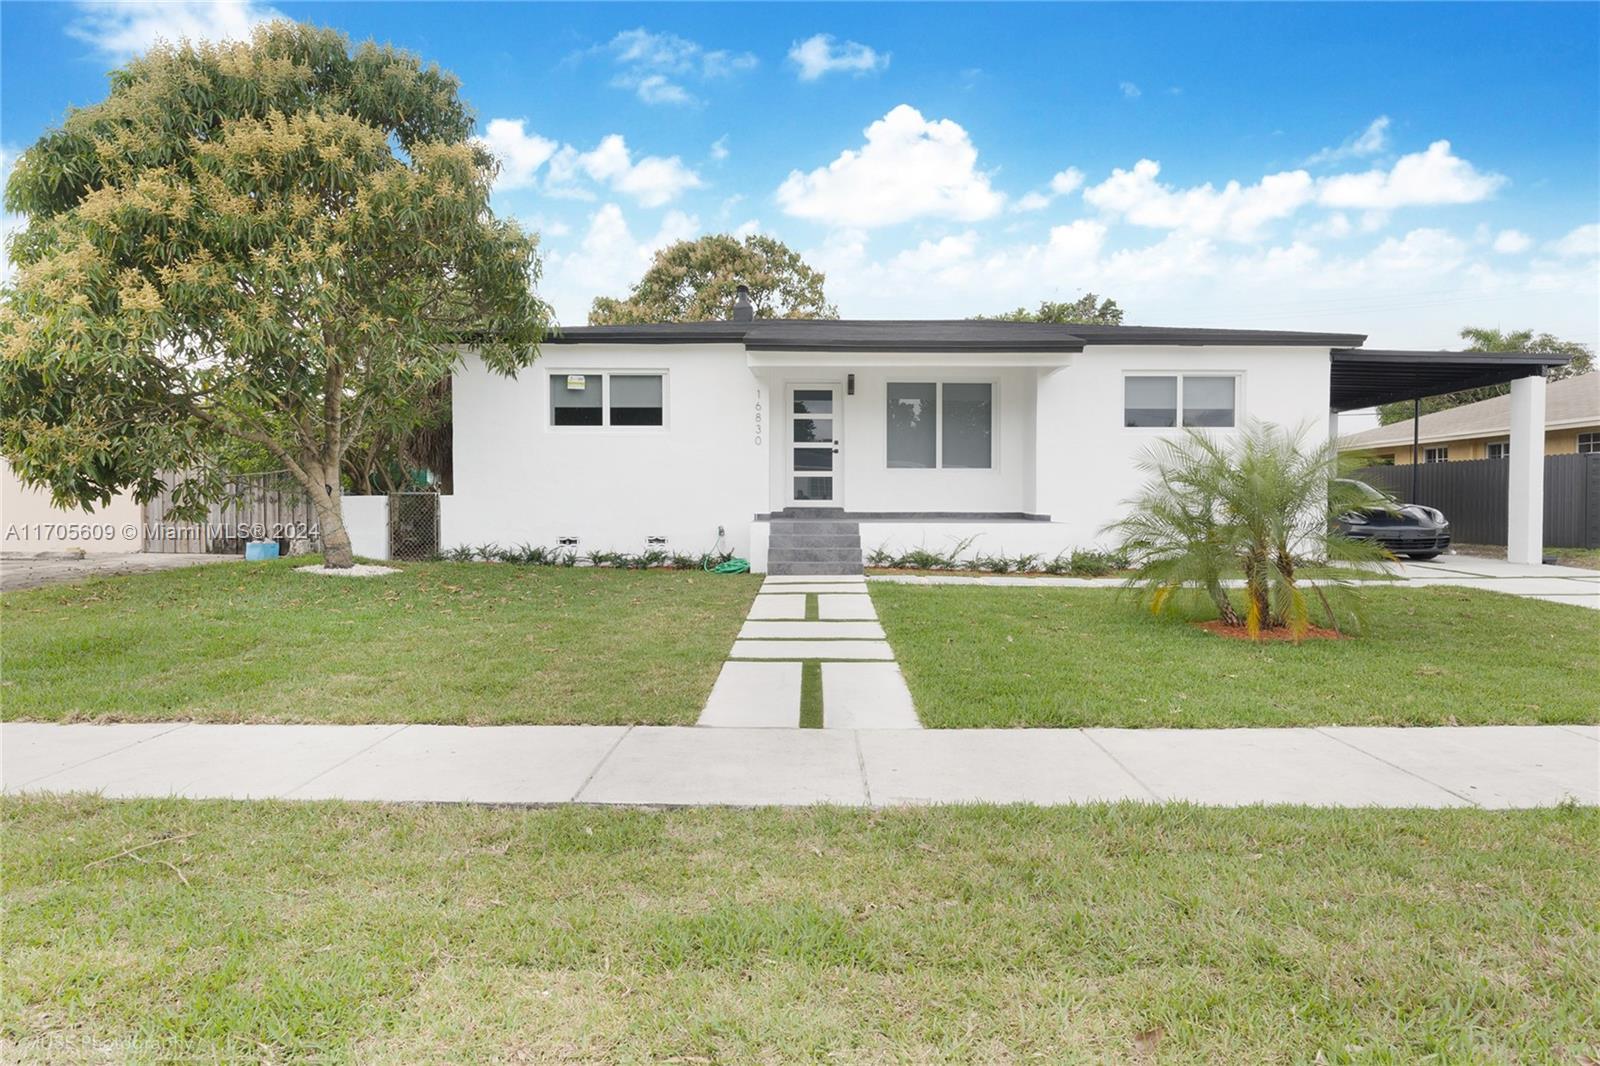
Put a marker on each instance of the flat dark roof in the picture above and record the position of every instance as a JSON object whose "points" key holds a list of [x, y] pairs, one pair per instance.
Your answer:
{"points": [[929, 335], [1366, 377]]}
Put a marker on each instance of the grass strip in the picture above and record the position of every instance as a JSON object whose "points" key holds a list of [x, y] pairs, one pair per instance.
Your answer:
{"points": [[340, 932], [812, 608], [811, 694]]}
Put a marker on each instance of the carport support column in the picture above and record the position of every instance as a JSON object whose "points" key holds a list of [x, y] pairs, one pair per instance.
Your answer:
{"points": [[1525, 500]]}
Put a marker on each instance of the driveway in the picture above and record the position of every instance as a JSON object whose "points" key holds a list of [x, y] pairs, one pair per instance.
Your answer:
{"points": [[1558, 584], [26, 571]]}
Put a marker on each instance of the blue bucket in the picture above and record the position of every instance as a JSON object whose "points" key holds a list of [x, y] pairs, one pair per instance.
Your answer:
{"points": [[257, 550]]}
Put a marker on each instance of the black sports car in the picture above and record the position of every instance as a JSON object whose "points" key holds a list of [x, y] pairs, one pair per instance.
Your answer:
{"points": [[1405, 529]]}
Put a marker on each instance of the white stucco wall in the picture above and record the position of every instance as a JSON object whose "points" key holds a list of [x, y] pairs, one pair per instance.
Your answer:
{"points": [[1060, 448], [519, 479], [29, 522], [1087, 458], [366, 519]]}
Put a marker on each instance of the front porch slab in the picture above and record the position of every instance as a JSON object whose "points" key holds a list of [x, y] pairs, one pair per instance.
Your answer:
{"points": [[812, 588]]}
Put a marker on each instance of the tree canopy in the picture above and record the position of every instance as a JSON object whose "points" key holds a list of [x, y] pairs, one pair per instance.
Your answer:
{"points": [[280, 242], [1088, 309], [1493, 340], [695, 281]]}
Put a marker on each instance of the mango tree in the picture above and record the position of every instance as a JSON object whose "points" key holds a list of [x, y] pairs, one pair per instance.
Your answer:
{"points": [[283, 242]]}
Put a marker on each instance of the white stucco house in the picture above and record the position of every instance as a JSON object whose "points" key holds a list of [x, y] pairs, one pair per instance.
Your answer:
{"points": [[1016, 437]]}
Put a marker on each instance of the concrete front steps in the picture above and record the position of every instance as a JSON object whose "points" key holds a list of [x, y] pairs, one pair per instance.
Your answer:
{"points": [[813, 542]]}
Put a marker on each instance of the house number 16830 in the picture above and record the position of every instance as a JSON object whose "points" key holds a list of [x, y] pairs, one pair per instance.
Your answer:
{"points": [[758, 416]]}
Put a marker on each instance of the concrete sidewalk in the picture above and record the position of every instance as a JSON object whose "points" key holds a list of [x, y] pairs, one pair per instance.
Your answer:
{"points": [[1487, 766]]}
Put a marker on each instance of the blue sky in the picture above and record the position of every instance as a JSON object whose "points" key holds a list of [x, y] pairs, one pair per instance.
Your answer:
{"points": [[1399, 170]]}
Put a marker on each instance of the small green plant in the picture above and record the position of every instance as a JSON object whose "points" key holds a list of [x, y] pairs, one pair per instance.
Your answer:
{"points": [[488, 553], [1090, 562], [461, 553]]}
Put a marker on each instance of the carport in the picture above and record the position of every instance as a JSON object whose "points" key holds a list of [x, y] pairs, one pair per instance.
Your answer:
{"points": [[1366, 377]]}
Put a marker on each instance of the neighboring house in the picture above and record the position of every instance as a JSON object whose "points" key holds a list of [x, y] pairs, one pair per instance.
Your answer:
{"points": [[1002, 436], [30, 523], [1482, 430]]}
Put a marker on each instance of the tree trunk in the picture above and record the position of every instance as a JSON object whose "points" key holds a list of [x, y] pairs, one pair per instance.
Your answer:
{"points": [[336, 552]]}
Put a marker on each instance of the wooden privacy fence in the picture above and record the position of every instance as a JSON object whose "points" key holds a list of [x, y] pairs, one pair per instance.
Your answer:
{"points": [[269, 506], [1473, 497]]}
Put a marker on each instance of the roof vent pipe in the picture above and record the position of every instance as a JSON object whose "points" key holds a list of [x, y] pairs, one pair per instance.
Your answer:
{"points": [[743, 309]]}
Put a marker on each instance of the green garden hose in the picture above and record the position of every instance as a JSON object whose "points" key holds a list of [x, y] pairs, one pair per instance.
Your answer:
{"points": [[732, 565]]}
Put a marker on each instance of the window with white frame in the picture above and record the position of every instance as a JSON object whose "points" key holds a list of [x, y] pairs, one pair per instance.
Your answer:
{"points": [[1499, 449], [607, 398], [1588, 443], [1436, 455], [1164, 401], [940, 424]]}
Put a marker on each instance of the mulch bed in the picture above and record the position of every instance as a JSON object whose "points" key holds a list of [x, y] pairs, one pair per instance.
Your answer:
{"points": [[1282, 634]]}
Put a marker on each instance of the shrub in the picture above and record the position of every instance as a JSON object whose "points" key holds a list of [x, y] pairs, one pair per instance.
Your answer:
{"points": [[1254, 505]]}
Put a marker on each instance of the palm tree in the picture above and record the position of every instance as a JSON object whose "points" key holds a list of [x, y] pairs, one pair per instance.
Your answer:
{"points": [[1258, 506]]}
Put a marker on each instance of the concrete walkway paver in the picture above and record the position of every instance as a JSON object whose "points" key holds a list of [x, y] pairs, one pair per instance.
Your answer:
{"points": [[867, 696], [844, 629], [1490, 766], [765, 695]]}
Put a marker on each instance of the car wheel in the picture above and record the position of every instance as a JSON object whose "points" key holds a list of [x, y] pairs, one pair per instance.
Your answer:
{"points": [[1422, 557]]}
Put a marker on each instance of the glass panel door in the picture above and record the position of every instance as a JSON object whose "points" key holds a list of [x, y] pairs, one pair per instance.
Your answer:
{"points": [[813, 444]]}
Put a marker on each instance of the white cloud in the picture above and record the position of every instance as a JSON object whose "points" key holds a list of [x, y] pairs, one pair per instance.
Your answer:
{"points": [[820, 54], [120, 31], [607, 260], [1422, 178], [1067, 181], [652, 180], [1130, 90], [521, 153], [1236, 212], [908, 168], [1581, 242], [1512, 241], [748, 228], [1063, 184], [719, 148], [1370, 141], [656, 65], [1243, 213], [1412, 290]]}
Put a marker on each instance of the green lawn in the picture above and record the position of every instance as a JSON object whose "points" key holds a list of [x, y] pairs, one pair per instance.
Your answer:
{"points": [[986, 656], [333, 932], [441, 642]]}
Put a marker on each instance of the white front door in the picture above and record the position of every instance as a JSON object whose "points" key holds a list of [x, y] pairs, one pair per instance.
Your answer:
{"points": [[814, 434]]}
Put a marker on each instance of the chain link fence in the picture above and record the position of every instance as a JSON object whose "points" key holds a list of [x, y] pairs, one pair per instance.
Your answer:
{"points": [[413, 526]]}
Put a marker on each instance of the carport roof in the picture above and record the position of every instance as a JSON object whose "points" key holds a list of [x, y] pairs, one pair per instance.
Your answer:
{"points": [[1365, 377]]}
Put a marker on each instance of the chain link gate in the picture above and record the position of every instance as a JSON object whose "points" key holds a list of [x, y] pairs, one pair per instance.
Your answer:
{"points": [[413, 526]]}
